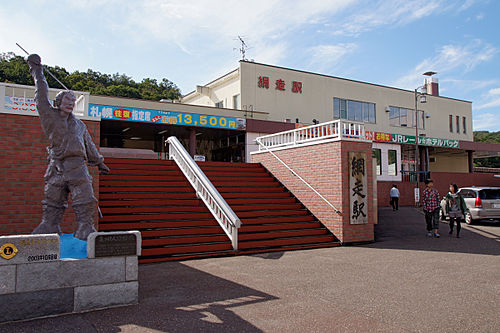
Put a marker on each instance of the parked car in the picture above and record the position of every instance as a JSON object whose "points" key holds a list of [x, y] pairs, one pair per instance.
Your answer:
{"points": [[482, 202]]}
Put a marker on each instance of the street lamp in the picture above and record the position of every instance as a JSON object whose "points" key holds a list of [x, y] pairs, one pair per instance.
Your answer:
{"points": [[420, 96]]}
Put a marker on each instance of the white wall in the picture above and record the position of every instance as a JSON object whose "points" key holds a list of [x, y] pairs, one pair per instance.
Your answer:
{"points": [[318, 91]]}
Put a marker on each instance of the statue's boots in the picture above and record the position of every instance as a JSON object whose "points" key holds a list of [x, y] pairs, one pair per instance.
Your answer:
{"points": [[51, 219], [85, 218]]}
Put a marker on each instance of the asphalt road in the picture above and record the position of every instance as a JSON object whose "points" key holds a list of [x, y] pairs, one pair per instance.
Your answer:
{"points": [[404, 282]]}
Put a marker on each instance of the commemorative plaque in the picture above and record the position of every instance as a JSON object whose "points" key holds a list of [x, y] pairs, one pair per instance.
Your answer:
{"points": [[111, 244], [22, 249]]}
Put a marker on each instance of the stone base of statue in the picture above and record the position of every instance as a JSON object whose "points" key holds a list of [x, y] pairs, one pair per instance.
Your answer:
{"points": [[35, 281]]}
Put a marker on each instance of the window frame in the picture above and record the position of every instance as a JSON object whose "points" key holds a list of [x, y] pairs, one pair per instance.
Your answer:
{"points": [[354, 110], [389, 162]]}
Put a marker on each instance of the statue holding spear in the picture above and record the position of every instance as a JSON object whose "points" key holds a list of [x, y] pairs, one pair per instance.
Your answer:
{"points": [[70, 149]]}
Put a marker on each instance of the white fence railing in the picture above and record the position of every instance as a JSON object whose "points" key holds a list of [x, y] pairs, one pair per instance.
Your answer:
{"points": [[205, 190], [332, 130]]}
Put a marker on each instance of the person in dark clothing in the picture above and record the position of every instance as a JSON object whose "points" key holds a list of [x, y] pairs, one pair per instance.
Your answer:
{"points": [[431, 205], [455, 208]]}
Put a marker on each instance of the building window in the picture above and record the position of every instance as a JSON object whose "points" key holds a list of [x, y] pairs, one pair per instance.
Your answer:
{"points": [[392, 170], [219, 104], [237, 102], [354, 110], [458, 124], [405, 117], [464, 125], [377, 154], [451, 123]]}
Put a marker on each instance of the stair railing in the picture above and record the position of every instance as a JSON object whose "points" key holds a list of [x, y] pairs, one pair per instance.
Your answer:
{"points": [[205, 190], [314, 134]]}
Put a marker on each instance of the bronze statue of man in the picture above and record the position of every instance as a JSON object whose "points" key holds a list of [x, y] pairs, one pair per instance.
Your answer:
{"points": [[70, 147]]}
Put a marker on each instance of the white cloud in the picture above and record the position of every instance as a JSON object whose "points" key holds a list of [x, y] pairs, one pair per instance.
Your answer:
{"points": [[216, 23], [325, 56], [486, 122], [491, 100], [495, 91], [466, 5], [449, 58], [382, 13]]}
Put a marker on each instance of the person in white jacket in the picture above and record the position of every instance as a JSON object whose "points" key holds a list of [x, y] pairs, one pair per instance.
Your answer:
{"points": [[394, 194]]}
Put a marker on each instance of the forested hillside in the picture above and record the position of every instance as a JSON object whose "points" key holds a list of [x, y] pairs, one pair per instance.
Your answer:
{"points": [[14, 69]]}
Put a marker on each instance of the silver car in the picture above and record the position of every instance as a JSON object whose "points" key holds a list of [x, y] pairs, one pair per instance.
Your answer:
{"points": [[482, 202]]}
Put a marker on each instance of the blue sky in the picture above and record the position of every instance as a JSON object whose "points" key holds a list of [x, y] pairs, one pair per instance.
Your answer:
{"points": [[191, 42]]}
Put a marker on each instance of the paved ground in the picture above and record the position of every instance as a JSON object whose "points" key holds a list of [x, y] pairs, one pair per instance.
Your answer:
{"points": [[404, 282]]}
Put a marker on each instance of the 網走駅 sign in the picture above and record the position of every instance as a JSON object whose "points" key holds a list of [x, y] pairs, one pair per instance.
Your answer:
{"points": [[165, 117]]}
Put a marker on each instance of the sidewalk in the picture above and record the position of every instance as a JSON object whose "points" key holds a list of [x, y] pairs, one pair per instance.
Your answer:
{"points": [[404, 282]]}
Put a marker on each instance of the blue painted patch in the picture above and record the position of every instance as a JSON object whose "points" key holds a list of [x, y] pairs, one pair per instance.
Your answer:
{"points": [[72, 248]]}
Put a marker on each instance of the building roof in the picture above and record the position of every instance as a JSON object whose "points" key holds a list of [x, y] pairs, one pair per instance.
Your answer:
{"points": [[479, 146]]}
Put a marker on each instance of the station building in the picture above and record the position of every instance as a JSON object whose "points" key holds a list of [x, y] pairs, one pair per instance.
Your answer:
{"points": [[220, 121]]}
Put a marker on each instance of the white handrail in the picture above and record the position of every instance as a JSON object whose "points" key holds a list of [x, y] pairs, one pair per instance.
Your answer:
{"points": [[299, 177], [205, 190], [314, 134], [332, 130]]}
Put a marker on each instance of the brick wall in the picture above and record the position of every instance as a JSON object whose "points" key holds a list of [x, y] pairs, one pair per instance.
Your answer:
{"points": [[442, 181], [22, 166], [325, 167]]}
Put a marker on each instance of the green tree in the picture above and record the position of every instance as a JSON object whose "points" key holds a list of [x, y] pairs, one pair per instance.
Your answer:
{"points": [[14, 69]]}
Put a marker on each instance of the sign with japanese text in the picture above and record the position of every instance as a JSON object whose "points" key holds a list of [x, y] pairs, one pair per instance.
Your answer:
{"points": [[27, 106], [358, 188], [410, 139], [424, 141], [279, 84], [20, 104], [165, 117]]}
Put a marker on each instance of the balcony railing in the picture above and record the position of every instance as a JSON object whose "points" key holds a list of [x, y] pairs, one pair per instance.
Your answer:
{"points": [[314, 134]]}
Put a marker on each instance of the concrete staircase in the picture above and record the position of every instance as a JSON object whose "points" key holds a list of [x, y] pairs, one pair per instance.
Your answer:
{"points": [[154, 197]]}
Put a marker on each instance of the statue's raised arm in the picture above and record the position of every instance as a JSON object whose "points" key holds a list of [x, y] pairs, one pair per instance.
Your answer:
{"points": [[42, 88]]}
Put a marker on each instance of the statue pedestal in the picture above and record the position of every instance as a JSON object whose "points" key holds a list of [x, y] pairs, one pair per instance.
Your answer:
{"points": [[34, 282]]}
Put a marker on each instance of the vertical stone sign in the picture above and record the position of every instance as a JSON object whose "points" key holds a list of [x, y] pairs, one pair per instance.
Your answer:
{"points": [[358, 188]]}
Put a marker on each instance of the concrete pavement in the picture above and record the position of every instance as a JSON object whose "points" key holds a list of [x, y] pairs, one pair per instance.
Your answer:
{"points": [[404, 282]]}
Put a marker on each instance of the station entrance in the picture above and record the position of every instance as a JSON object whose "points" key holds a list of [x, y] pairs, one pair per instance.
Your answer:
{"points": [[210, 144]]}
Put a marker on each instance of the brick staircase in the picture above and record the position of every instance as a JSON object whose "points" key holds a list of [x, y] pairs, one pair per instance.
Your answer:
{"points": [[154, 197]]}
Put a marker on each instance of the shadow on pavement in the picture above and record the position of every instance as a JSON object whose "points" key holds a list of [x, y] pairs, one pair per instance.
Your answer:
{"points": [[405, 229], [173, 298]]}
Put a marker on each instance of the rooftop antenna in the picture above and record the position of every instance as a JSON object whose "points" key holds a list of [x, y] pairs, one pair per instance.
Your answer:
{"points": [[243, 48]]}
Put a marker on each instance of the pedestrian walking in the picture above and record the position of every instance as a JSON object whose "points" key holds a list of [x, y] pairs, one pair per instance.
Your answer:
{"points": [[431, 205], [394, 194], [455, 208]]}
